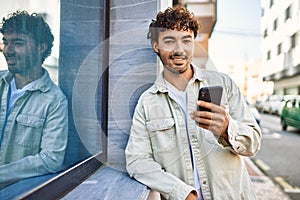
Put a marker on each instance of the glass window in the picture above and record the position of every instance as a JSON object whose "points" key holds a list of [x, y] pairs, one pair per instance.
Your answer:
{"points": [[275, 24], [266, 33], [279, 49], [75, 37], [298, 104], [293, 40], [271, 3], [290, 103], [288, 13]]}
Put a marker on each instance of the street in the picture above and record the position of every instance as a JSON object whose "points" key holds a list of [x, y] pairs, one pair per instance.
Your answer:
{"points": [[279, 157]]}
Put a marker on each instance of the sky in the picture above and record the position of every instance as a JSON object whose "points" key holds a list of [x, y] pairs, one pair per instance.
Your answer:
{"points": [[236, 36]]}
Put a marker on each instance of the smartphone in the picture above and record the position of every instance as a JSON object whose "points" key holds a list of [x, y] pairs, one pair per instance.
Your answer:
{"points": [[210, 94]]}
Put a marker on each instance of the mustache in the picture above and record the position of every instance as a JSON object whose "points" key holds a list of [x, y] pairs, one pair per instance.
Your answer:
{"points": [[176, 55]]}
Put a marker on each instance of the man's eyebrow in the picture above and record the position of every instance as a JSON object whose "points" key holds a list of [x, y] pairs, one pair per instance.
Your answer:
{"points": [[15, 39], [168, 38], [186, 36]]}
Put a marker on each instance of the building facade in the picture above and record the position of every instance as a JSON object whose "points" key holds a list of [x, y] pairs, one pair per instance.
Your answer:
{"points": [[280, 26]]}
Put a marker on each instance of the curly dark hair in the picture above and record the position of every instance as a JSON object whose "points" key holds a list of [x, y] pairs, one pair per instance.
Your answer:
{"points": [[175, 18], [33, 25]]}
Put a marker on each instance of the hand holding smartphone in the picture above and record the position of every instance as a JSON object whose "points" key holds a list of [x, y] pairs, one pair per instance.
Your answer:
{"points": [[211, 94]]}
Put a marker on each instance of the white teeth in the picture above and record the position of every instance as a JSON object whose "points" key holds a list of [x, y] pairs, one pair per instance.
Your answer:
{"points": [[178, 60]]}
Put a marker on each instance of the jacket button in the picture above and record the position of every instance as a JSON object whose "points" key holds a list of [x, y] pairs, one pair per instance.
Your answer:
{"points": [[204, 182]]}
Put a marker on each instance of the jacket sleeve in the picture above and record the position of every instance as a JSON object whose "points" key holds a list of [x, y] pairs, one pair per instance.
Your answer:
{"points": [[141, 165], [51, 156], [244, 133]]}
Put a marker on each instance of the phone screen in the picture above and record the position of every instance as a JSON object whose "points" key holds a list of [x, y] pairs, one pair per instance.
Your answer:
{"points": [[210, 94]]}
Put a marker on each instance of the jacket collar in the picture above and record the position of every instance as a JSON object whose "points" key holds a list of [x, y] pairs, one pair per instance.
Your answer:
{"points": [[43, 84], [161, 87]]}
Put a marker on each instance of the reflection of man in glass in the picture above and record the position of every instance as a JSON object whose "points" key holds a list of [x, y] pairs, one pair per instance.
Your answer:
{"points": [[177, 150], [33, 115]]}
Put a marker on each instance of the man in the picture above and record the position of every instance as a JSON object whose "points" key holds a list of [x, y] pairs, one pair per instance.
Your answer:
{"points": [[174, 148], [33, 116]]}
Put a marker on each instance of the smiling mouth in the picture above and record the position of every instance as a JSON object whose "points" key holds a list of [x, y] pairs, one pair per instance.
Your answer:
{"points": [[11, 60], [178, 60]]}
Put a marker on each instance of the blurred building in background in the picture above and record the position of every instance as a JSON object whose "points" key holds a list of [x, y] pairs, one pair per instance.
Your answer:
{"points": [[280, 26], [249, 79], [50, 10], [206, 12]]}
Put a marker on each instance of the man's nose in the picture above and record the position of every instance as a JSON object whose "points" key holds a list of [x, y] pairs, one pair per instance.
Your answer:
{"points": [[178, 47]]}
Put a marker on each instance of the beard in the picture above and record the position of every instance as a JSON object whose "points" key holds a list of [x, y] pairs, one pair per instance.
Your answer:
{"points": [[177, 63], [24, 64]]}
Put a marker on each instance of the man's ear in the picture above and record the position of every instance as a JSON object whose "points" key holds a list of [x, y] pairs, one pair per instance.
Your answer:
{"points": [[155, 46]]}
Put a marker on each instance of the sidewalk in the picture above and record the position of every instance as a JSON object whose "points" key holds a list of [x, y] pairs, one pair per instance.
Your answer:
{"points": [[264, 187]]}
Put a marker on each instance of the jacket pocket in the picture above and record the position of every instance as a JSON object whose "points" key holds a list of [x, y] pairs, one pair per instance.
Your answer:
{"points": [[30, 121], [29, 130], [162, 134]]}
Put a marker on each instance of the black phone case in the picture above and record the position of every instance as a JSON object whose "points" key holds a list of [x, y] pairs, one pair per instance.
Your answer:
{"points": [[210, 94]]}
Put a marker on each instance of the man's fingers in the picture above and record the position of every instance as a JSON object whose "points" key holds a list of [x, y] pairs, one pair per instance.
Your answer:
{"points": [[211, 106]]}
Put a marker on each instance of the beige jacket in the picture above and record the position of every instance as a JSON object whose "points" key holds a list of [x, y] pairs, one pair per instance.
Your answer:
{"points": [[34, 135], [158, 153]]}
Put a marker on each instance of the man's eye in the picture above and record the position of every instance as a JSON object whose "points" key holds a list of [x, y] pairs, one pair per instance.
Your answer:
{"points": [[187, 41], [169, 41], [19, 43]]}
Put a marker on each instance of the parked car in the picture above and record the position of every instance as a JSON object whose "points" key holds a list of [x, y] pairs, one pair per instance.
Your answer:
{"points": [[282, 104], [290, 115], [254, 112], [272, 104], [259, 105]]}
